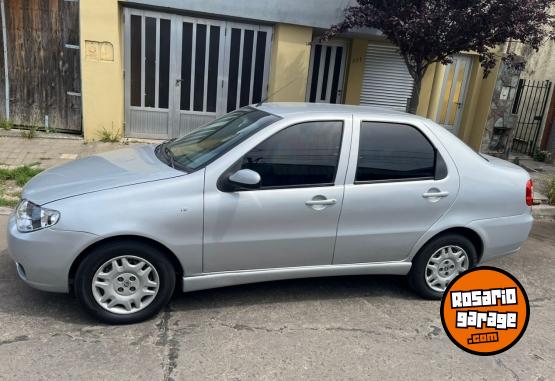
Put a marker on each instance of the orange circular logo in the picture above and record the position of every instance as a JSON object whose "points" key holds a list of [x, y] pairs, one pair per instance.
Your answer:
{"points": [[485, 311]]}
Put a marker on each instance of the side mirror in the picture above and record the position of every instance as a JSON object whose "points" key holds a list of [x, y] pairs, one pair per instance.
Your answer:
{"points": [[245, 178]]}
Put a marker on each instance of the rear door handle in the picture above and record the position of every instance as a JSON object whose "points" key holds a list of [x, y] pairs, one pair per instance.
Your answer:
{"points": [[330, 201], [435, 194]]}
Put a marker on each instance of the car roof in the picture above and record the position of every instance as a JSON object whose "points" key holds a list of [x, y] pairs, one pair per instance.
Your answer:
{"points": [[284, 109]]}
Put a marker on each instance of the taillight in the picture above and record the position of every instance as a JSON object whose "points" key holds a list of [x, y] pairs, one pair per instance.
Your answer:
{"points": [[530, 193]]}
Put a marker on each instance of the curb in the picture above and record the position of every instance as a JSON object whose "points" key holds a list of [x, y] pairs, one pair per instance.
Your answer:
{"points": [[16, 133], [543, 212]]}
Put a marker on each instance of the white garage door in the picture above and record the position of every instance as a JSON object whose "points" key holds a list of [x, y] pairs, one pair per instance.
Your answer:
{"points": [[386, 81]]}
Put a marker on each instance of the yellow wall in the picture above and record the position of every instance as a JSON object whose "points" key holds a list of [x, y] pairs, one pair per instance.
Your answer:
{"points": [[430, 91], [476, 105], [101, 67], [290, 63], [355, 71], [483, 91]]}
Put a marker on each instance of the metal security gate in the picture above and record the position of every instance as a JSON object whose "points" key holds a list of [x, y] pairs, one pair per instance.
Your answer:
{"points": [[530, 105], [183, 72], [327, 72], [387, 81]]}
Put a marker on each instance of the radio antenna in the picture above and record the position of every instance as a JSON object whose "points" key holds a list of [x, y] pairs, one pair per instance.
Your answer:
{"points": [[274, 93]]}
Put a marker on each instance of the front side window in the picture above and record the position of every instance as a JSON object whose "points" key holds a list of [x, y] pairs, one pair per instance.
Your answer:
{"points": [[302, 155], [393, 152], [203, 145]]}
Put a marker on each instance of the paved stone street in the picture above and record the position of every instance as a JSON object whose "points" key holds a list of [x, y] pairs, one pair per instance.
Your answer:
{"points": [[366, 327]]}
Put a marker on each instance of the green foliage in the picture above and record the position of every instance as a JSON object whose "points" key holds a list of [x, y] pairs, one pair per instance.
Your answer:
{"points": [[30, 133], [6, 124], [10, 193], [109, 136], [516, 160], [551, 191], [11, 203], [50, 130], [21, 175], [541, 155]]}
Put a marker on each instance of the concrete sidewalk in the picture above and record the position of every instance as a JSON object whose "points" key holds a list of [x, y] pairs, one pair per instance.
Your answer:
{"points": [[46, 152]]}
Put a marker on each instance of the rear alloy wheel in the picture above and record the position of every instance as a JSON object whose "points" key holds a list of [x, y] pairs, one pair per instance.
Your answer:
{"points": [[444, 266], [439, 262], [124, 282]]}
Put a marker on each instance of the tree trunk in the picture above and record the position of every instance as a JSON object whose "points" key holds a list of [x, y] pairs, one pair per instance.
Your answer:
{"points": [[412, 105]]}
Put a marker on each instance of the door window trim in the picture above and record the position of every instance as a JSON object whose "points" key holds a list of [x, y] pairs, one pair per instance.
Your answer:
{"points": [[437, 156], [234, 167]]}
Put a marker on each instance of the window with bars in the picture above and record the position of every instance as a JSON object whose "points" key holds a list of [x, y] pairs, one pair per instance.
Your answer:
{"points": [[246, 67], [150, 61], [200, 58]]}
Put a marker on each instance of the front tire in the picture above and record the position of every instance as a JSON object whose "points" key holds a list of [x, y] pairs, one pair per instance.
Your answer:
{"points": [[439, 262], [124, 282]]}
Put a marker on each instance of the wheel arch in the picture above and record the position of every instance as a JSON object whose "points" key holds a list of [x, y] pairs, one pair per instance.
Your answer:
{"points": [[471, 234], [178, 267]]}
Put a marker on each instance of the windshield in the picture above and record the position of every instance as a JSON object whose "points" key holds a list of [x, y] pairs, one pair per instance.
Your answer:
{"points": [[201, 146]]}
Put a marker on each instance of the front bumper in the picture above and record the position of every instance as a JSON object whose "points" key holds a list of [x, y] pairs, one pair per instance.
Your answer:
{"points": [[44, 257]]}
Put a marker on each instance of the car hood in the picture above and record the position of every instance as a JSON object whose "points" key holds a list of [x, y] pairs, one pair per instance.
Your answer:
{"points": [[98, 172]]}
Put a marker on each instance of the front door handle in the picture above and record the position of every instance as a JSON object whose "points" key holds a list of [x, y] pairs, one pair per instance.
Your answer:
{"points": [[325, 202], [435, 194]]}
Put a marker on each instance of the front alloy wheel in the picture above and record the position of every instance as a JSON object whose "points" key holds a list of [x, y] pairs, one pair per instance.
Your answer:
{"points": [[124, 282], [125, 285]]}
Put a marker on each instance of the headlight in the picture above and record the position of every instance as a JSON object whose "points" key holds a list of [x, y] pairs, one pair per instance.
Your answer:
{"points": [[31, 217]]}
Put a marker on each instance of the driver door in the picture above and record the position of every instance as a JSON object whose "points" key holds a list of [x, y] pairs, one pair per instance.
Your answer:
{"points": [[291, 219]]}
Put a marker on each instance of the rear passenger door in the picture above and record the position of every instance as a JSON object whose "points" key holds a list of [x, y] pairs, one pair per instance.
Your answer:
{"points": [[400, 181]]}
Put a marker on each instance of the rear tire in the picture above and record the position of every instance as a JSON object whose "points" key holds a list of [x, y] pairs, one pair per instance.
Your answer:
{"points": [[439, 262], [124, 282]]}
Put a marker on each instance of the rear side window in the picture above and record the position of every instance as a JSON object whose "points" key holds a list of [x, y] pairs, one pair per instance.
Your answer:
{"points": [[304, 154], [394, 152]]}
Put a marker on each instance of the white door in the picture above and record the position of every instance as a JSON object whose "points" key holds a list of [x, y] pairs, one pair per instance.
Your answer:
{"points": [[182, 72], [453, 93], [327, 72]]}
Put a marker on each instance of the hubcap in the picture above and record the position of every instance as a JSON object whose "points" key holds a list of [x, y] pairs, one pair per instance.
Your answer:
{"points": [[444, 266], [125, 284]]}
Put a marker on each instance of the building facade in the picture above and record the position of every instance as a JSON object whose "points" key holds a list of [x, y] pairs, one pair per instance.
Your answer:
{"points": [[158, 69]]}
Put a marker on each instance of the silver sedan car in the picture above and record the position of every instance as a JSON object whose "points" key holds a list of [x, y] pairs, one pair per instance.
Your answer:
{"points": [[268, 192]]}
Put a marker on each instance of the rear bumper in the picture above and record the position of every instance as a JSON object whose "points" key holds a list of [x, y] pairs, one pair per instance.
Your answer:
{"points": [[502, 236], [43, 258]]}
